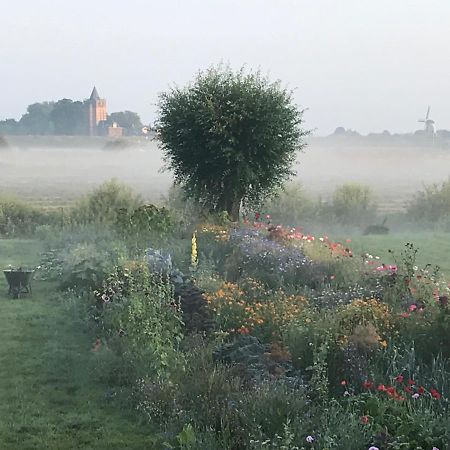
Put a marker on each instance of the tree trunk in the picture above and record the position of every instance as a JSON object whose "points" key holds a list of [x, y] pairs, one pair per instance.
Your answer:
{"points": [[234, 209]]}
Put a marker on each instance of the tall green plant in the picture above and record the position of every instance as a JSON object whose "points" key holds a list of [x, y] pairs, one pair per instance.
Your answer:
{"points": [[230, 137]]}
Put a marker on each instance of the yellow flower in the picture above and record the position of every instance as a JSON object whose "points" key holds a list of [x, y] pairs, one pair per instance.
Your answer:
{"points": [[194, 254]]}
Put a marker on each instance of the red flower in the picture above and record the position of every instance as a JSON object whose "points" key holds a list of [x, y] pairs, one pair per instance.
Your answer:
{"points": [[243, 330], [408, 389], [343, 383], [364, 420], [411, 382], [399, 378], [420, 390], [435, 394], [381, 388], [367, 384], [390, 391]]}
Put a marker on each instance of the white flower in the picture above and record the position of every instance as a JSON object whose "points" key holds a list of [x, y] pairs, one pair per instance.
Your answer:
{"points": [[310, 440], [416, 395], [373, 448], [434, 448]]}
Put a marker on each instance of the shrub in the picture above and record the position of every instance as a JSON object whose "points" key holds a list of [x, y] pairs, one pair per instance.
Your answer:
{"points": [[103, 204], [141, 321], [144, 226], [19, 218], [353, 203], [432, 205], [293, 207]]}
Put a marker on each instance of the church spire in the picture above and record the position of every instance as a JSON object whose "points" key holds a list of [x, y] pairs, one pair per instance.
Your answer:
{"points": [[94, 95]]}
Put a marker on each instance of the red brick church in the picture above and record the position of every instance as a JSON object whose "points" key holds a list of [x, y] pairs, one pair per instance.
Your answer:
{"points": [[97, 117]]}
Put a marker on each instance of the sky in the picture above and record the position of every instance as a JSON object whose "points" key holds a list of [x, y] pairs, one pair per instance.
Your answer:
{"points": [[366, 65]]}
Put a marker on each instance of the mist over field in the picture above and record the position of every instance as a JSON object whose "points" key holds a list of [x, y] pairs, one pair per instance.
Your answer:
{"points": [[54, 171]]}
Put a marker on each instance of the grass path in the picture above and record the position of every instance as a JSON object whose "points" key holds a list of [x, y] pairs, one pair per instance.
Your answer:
{"points": [[433, 248], [50, 397]]}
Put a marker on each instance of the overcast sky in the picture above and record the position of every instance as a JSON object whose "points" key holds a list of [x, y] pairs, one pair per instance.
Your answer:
{"points": [[367, 65]]}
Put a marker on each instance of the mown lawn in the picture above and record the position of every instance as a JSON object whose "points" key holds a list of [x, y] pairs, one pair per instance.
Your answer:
{"points": [[51, 396], [433, 248]]}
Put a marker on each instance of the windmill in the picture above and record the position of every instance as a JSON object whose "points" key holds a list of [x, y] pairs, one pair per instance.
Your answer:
{"points": [[429, 123]]}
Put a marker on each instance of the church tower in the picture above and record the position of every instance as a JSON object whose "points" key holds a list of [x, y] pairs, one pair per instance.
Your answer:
{"points": [[97, 112]]}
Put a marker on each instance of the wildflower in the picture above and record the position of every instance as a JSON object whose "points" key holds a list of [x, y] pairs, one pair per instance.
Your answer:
{"points": [[412, 307], [343, 383], [364, 420], [435, 394], [420, 390], [367, 384], [416, 395], [434, 448], [390, 391], [381, 388], [194, 255], [411, 382], [399, 378], [309, 439], [373, 448]]}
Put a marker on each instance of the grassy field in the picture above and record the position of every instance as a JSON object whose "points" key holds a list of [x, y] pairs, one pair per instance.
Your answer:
{"points": [[53, 171], [433, 248], [51, 397]]}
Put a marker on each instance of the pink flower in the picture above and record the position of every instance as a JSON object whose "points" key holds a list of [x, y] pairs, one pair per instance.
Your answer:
{"points": [[412, 307]]}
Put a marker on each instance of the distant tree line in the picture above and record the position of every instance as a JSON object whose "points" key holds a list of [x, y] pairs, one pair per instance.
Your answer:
{"points": [[65, 117]]}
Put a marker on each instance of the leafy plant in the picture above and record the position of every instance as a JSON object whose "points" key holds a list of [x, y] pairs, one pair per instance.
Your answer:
{"points": [[229, 137]]}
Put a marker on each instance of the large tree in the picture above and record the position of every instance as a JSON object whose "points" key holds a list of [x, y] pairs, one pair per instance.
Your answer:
{"points": [[129, 120], [230, 137]]}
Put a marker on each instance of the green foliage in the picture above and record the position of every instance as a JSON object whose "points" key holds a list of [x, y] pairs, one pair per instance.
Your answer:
{"points": [[141, 321], [229, 137], [37, 120], [353, 204], [69, 117], [432, 205], [144, 227], [293, 206], [85, 266], [18, 218], [104, 203], [128, 120]]}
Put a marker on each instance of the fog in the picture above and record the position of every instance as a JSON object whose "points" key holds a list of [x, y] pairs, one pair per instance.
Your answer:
{"points": [[54, 171]]}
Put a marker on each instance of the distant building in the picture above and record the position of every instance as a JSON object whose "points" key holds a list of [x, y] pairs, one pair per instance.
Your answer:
{"points": [[97, 114], [115, 131]]}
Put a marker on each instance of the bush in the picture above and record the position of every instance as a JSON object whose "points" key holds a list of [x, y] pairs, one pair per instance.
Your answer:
{"points": [[353, 204], [17, 218], [103, 204], [432, 205], [141, 321], [293, 207]]}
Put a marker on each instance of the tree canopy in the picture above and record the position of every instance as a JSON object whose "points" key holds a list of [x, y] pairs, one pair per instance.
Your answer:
{"points": [[230, 138]]}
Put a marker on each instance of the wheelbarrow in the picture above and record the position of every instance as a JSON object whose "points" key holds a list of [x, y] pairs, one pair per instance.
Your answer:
{"points": [[19, 281]]}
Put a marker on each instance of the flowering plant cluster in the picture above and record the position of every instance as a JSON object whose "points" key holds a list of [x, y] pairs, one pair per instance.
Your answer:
{"points": [[251, 308]]}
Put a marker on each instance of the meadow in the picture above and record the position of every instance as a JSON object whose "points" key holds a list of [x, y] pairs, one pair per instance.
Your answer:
{"points": [[55, 170]]}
